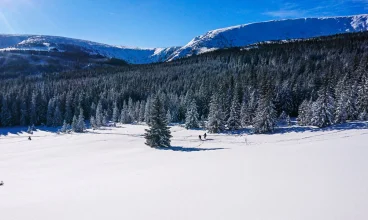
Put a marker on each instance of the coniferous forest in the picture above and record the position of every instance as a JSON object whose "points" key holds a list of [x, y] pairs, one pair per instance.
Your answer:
{"points": [[321, 81]]}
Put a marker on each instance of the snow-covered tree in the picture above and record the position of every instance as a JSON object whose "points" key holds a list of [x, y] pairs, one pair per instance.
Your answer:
{"points": [[115, 113], [323, 109], [99, 114], [158, 134], [168, 116], [93, 122], [305, 113], [50, 113], [266, 116], [5, 114], [81, 126], [234, 122], [58, 119], [65, 127], [191, 116], [216, 116], [75, 124]]}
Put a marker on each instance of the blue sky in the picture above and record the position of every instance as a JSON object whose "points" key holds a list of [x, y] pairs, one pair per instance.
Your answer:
{"points": [[154, 23]]}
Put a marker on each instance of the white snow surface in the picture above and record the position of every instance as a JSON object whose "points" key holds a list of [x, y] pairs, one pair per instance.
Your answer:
{"points": [[111, 174], [247, 34]]}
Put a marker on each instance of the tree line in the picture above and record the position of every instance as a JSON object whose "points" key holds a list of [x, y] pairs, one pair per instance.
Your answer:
{"points": [[321, 81]]}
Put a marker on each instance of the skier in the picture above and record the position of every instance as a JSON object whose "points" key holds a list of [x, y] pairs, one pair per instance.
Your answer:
{"points": [[200, 137], [29, 138], [205, 136], [1, 183]]}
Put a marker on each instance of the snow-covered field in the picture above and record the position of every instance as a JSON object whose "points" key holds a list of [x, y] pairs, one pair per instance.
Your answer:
{"points": [[111, 174]]}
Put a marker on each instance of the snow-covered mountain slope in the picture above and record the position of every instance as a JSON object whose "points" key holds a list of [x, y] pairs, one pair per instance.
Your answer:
{"points": [[236, 36], [63, 44], [243, 35]]}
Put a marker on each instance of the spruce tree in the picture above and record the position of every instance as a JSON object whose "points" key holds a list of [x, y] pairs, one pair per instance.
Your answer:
{"points": [[158, 134], [266, 116], [323, 109], [234, 122], [191, 116], [81, 126], [75, 124], [168, 116], [99, 114], [216, 116], [115, 113]]}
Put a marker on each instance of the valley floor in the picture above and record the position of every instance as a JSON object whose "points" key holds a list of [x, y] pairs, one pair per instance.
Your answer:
{"points": [[112, 174]]}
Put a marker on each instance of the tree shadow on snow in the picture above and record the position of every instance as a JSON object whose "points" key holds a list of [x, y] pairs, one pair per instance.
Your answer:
{"points": [[21, 130], [189, 149], [337, 127]]}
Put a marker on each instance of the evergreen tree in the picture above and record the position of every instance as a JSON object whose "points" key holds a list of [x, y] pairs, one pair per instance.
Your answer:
{"points": [[5, 114], [68, 116], [158, 134], [50, 112], [75, 124], [266, 117], [215, 122], [57, 117], [81, 126], [168, 116], [234, 122], [323, 109], [115, 113], [99, 114], [93, 122], [64, 128], [191, 117]]}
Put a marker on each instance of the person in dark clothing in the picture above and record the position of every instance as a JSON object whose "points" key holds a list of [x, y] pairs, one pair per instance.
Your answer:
{"points": [[29, 138], [205, 136], [200, 137], [1, 183]]}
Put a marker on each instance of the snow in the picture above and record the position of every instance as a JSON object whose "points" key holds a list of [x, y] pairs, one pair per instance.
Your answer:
{"points": [[247, 34], [235, 36], [46, 43], [300, 173]]}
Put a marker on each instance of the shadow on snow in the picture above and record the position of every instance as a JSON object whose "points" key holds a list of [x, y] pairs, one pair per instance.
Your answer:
{"points": [[189, 149]]}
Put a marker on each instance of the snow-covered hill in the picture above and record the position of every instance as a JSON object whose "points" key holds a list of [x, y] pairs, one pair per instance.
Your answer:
{"points": [[236, 36], [63, 44], [302, 174], [243, 35]]}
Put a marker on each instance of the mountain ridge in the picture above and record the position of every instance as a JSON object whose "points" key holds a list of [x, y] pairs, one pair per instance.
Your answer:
{"points": [[233, 36]]}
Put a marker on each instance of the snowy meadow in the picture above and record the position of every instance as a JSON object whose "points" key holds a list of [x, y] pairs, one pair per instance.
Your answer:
{"points": [[297, 173]]}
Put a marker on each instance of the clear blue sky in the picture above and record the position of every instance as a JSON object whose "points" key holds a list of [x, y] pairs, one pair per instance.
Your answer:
{"points": [[154, 23]]}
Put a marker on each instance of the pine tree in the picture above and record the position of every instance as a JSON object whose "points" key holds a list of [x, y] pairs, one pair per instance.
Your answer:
{"points": [[168, 116], [50, 112], [191, 117], [64, 128], [323, 109], [234, 122], [266, 117], [81, 126], [142, 111], [99, 114], [75, 124], [93, 122], [158, 134], [57, 117], [215, 122], [147, 110], [68, 116], [5, 114], [115, 113]]}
